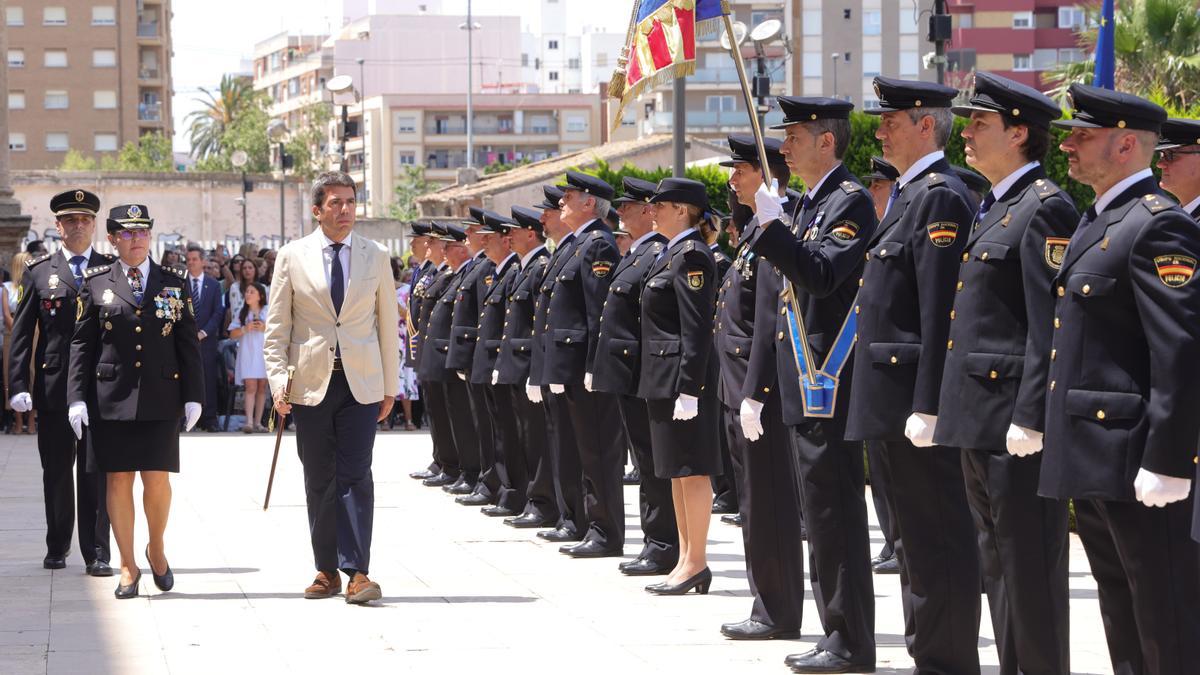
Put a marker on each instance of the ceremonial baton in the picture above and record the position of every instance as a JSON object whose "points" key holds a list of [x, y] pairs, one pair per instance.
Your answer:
{"points": [[287, 394]]}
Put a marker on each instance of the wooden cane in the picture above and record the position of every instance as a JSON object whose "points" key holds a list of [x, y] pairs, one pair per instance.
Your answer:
{"points": [[287, 393]]}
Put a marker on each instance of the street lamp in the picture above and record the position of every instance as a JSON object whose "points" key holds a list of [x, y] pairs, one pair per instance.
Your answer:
{"points": [[470, 26], [239, 160], [276, 131], [342, 88], [762, 34]]}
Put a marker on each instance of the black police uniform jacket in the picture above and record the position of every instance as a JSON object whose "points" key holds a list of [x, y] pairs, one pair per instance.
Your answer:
{"points": [[1001, 323], [577, 293], [435, 346], [734, 332], [677, 303], [46, 311], [908, 287], [517, 341], [1125, 378], [821, 257], [416, 301], [723, 261], [541, 308], [616, 359], [464, 326], [492, 308], [430, 288], [132, 362]]}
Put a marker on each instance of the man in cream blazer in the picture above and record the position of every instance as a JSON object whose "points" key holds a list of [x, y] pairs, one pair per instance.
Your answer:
{"points": [[333, 316]]}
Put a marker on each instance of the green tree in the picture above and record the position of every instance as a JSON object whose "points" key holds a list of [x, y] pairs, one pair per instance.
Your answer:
{"points": [[306, 144], [208, 125], [410, 185], [151, 153], [77, 161], [246, 132]]}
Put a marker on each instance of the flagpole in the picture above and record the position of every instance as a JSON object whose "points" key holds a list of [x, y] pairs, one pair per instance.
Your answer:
{"points": [[735, 51]]}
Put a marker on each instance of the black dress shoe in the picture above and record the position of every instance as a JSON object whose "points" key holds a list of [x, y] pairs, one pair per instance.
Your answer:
{"points": [[889, 566], [497, 511], [124, 592], [529, 520], [440, 480], [423, 474], [719, 506], [460, 487], [634, 477], [54, 562], [476, 498], [99, 568], [734, 519], [644, 567], [821, 661], [164, 581], [757, 630], [699, 581], [559, 534], [881, 559], [590, 549]]}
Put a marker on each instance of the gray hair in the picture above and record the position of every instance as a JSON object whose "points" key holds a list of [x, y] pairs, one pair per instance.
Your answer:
{"points": [[840, 128], [602, 207], [943, 122], [327, 180]]}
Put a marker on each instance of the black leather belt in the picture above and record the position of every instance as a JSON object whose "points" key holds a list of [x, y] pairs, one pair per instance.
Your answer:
{"points": [[337, 363]]}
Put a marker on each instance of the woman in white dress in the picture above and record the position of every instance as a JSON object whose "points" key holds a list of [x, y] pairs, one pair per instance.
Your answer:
{"points": [[248, 328]]}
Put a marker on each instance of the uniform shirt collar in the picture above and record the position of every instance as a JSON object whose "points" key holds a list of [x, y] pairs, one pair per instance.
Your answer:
{"points": [[144, 268], [464, 264], [919, 167], [1192, 205], [529, 256], [1000, 189], [442, 265], [1115, 191], [579, 232], [641, 240], [329, 242], [681, 236], [87, 254], [816, 189], [504, 262]]}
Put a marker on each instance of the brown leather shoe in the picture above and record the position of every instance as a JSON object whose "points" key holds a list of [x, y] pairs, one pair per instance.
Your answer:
{"points": [[326, 585], [362, 590]]}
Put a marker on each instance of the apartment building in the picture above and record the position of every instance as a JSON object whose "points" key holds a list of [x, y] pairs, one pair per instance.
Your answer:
{"points": [[1019, 39], [292, 70], [88, 75]]}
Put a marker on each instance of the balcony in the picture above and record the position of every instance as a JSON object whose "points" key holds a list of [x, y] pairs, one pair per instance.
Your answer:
{"points": [[150, 112], [148, 73], [702, 119], [460, 129]]}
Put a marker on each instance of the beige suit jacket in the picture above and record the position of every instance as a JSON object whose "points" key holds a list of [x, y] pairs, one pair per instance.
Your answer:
{"points": [[303, 329]]}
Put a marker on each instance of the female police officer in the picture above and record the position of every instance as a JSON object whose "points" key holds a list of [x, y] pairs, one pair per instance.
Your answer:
{"points": [[679, 374], [135, 364]]}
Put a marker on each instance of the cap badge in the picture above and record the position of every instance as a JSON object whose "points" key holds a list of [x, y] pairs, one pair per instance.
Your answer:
{"points": [[134, 211], [79, 196]]}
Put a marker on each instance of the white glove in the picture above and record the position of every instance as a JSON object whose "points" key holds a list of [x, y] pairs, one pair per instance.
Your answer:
{"points": [[191, 411], [1153, 489], [750, 414], [766, 203], [461, 375], [686, 407], [495, 377], [22, 402], [1023, 442], [533, 393], [919, 429], [78, 417], [587, 381], [557, 389]]}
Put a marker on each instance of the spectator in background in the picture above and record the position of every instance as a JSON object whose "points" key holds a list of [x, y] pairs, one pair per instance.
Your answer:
{"points": [[23, 422], [209, 309], [170, 258], [212, 267], [245, 273], [409, 391], [35, 248], [269, 272], [248, 328], [229, 273]]}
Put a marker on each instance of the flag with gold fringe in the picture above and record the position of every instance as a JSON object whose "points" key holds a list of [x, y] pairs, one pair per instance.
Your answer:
{"points": [[661, 44]]}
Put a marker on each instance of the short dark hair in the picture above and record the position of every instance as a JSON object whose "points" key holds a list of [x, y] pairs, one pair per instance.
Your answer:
{"points": [[327, 180], [781, 173], [195, 248], [840, 128], [1037, 143]]}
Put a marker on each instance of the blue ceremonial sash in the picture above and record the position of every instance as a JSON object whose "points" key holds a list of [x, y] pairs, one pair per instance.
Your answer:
{"points": [[820, 386]]}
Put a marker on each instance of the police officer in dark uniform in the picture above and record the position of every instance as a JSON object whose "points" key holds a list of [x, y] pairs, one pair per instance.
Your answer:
{"points": [[421, 234], [1121, 422], [614, 366], [725, 496], [445, 404], [135, 366], [731, 474], [46, 316], [508, 466], [976, 184], [879, 182], [903, 313], [820, 256], [1179, 161], [993, 398], [512, 370]]}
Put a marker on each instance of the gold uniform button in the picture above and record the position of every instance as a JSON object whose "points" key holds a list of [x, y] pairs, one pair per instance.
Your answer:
{"points": [[138, 347], [137, 364], [949, 344], [1061, 291], [1086, 289], [626, 352], [175, 376], [138, 312], [1053, 354], [1057, 323], [107, 325], [766, 390], [984, 256], [993, 375], [959, 287], [857, 309], [860, 283], [45, 364], [953, 314], [737, 350], [966, 257], [780, 336], [137, 329], [1052, 382], [782, 310], [895, 360], [1100, 415]]}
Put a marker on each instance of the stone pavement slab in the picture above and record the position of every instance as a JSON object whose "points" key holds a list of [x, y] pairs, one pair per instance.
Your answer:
{"points": [[462, 592]]}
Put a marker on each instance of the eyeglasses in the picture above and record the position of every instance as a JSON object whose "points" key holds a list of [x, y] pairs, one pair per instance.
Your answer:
{"points": [[1172, 155], [126, 235]]}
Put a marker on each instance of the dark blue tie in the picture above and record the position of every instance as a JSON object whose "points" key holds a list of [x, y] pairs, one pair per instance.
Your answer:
{"points": [[892, 199], [986, 205], [135, 284], [805, 203], [337, 285], [195, 290], [77, 268]]}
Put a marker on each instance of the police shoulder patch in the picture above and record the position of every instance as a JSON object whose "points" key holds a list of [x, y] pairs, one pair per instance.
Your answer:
{"points": [[844, 230], [850, 187], [93, 271], [942, 233], [934, 179], [38, 260], [1044, 188], [601, 268], [695, 279], [1156, 203], [1175, 270], [1055, 250]]}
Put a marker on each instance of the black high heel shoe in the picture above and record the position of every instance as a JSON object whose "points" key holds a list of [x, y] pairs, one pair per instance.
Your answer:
{"points": [[165, 581], [700, 581], [124, 592]]}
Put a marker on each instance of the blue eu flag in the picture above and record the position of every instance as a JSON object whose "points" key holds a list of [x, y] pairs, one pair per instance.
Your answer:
{"points": [[1105, 57]]}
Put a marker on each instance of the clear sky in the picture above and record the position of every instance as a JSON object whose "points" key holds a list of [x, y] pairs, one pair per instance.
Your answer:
{"points": [[214, 37]]}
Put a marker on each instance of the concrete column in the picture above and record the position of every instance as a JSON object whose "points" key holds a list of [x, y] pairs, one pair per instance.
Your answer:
{"points": [[13, 224]]}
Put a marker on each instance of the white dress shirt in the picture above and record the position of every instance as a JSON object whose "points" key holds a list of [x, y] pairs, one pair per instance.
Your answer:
{"points": [[529, 256], [1002, 188], [919, 167], [640, 240], [680, 236], [144, 268], [343, 255], [1192, 205], [1113, 192]]}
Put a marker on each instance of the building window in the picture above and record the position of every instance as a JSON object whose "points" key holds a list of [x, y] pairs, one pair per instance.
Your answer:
{"points": [[55, 58], [16, 58], [14, 16], [404, 158], [719, 104], [16, 100], [812, 64], [811, 21], [16, 141], [524, 60], [552, 44], [1044, 59], [104, 15], [1071, 55], [104, 58], [54, 16], [293, 86], [1022, 62], [1022, 20], [56, 99], [406, 125], [573, 64], [910, 64], [554, 76], [965, 20], [872, 64], [601, 59], [1071, 17], [908, 19], [872, 22], [576, 124], [56, 141], [760, 15], [104, 99], [105, 142]]}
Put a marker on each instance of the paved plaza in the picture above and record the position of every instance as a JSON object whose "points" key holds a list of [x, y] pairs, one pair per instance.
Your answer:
{"points": [[462, 592]]}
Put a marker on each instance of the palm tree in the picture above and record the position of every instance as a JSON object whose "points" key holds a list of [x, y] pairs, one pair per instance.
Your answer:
{"points": [[1157, 48], [207, 126]]}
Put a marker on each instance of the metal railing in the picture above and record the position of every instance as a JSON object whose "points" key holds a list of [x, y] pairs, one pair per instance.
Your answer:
{"points": [[149, 112], [147, 30]]}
